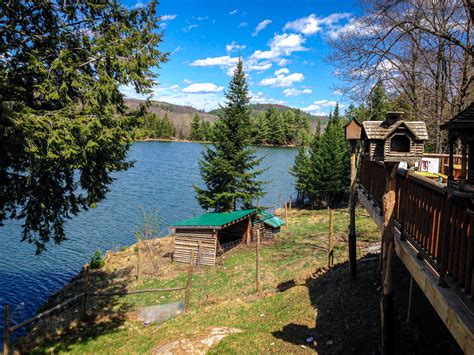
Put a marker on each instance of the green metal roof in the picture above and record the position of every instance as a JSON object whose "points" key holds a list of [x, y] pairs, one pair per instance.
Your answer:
{"points": [[215, 219], [270, 219]]}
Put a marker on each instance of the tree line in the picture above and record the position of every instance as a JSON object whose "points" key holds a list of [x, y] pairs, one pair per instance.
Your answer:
{"points": [[271, 127]]}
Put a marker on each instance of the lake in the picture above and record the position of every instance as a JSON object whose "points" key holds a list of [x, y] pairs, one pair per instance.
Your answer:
{"points": [[161, 180]]}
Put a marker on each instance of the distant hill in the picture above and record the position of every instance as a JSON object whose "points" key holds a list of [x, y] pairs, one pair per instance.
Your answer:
{"points": [[181, 116]]}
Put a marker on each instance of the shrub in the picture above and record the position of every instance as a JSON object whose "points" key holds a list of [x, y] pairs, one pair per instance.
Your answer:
{"points": [[97, 261]]}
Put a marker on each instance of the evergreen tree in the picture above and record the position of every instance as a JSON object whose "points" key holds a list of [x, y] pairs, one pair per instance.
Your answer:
{"points": [[64, 126], [195, 134], [301, 172], [230, 168], [330, 162], [261, 129], [378, 103]]}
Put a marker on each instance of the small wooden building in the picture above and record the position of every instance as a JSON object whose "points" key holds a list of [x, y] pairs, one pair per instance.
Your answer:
{"points": [[461, 129], [394, 140], [267, 224], [209, 233]]}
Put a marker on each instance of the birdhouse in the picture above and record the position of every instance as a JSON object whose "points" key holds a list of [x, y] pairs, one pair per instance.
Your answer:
{"points": [[394, 140], [461, 131], [353, 130]]}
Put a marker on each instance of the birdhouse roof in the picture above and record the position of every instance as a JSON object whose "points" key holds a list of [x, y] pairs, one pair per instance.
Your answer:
{"points": [[376, 129], [463, 120]]}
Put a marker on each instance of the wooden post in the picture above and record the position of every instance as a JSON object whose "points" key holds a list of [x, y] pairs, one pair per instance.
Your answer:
{"points": [[463, 161], [6, 330], [189, 283], [286, 215], [86, 291], [248, 232], [387, 254], [290, 202], [198, 264], [139, 245], [331, 239], [257, 262], [352, 205]]}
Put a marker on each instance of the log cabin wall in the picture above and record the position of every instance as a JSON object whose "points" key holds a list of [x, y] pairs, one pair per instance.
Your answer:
{"points": [[188, 239]]}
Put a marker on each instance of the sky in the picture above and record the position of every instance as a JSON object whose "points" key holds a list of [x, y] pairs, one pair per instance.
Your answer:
{"points": [[283, 45]]}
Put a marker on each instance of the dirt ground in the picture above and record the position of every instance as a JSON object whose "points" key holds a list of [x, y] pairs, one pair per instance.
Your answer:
{"points": [[348, 316]]}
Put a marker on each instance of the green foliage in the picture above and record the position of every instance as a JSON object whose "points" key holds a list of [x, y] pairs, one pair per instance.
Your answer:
{"points": [[97, 261], [379, 104], [64, 128], [153, 126], [324, 170], [229, 168], [278, 127], [196, 133]]}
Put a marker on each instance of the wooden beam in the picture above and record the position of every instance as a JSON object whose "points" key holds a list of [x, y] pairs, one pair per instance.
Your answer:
{"points": [[452, 312], [352, 203]]}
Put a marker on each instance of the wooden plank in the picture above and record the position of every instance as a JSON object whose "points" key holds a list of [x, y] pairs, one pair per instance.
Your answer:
{"points": [[373, 210], [455, 316]]}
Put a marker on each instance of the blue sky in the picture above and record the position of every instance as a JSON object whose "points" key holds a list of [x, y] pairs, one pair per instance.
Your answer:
{"points": [[283, 45]]}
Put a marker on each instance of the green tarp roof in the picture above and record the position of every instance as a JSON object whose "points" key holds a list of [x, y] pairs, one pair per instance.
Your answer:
{"points": [[214, 219], [270, 219]]}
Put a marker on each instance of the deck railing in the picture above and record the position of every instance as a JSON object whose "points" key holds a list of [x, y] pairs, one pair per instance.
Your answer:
{"points": [[438, 224]]}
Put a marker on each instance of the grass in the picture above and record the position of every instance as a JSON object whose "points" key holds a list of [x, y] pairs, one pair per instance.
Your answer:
{"points": [[225, 295]]}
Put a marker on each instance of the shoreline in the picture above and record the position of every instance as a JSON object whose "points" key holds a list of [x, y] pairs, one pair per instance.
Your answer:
{"points": [[206, 142]]}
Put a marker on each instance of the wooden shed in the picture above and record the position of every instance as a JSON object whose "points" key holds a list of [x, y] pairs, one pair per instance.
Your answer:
{"points": [[394, 140], [210, 233], [267, 224]]}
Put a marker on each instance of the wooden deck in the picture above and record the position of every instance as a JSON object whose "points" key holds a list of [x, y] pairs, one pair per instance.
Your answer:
{"points": [[434, 239]]}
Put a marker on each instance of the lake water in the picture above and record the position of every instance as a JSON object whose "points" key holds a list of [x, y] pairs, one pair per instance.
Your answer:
{"points": [[161, 180]]}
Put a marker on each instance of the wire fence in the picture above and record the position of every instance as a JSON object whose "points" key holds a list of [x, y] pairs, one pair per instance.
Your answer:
{"points": [[77, 309]]}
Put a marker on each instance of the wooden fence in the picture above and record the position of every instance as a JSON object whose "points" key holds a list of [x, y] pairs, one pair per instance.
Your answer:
{"points": [[84, 298], [439, 225]]}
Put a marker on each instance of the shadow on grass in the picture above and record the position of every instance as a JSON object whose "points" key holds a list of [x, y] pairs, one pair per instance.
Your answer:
{"points": [[347, 314], [67, 326]]}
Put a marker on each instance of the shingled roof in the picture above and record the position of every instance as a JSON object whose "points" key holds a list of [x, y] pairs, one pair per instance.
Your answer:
{"points": [[464, 119], [377, 129]]}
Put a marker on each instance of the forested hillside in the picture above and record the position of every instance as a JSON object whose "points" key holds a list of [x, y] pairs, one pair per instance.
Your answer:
{"points": [[272, 124]]}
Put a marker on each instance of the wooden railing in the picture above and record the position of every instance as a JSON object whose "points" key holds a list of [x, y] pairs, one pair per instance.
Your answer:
{"points": [[438, 224]]}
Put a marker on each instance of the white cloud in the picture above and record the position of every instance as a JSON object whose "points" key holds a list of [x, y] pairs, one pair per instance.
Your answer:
{"points": [[174, 87], [317, 106], [283, 62], [168, 17], [337, 92], [354, 27], [281, 45], [223, 61], [202, 18], [234, 47], [202, 88], [282, 71], [190, 27], [295, 92], [233, 12], [282, 80], [257, 66], [187, 81], [311, 24], [243, 24], [260, 98], [261, 26]]}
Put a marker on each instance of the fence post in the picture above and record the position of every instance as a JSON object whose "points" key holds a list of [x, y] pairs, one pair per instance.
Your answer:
{"points": [[198, 264], [139, 245], [189, 283], [6, 330], [331, 239], [352, 205], [257, 262], [86, 290], [286, 215]]}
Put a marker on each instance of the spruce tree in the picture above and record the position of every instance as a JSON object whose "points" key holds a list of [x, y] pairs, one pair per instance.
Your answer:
{"points": [[301, 172], [195, 134], [378, 103], [229, 169]]}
